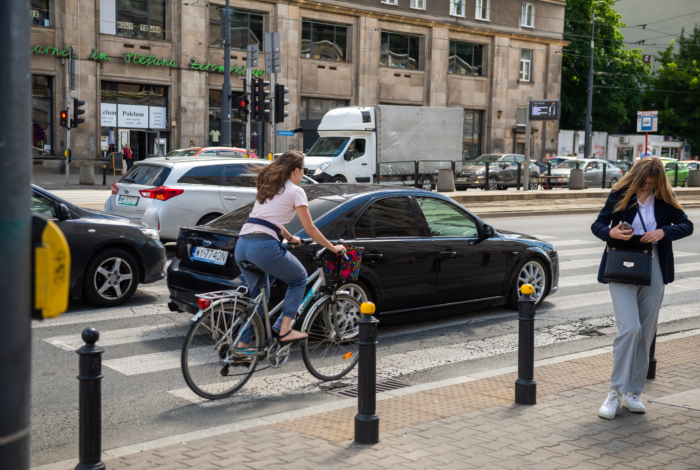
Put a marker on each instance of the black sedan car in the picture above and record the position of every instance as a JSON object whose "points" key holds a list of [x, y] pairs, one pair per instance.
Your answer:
{"points": [[423, 252], [110, 255]]}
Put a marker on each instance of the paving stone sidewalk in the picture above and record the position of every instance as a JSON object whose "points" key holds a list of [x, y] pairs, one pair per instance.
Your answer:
{"points": [[475, 424]]}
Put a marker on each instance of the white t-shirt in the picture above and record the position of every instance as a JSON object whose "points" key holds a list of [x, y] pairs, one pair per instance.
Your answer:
{"points": [[278, 210], [214, 135]]}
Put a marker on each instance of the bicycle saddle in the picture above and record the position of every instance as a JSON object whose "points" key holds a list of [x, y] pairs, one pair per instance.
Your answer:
{"points": [[252, 267]]}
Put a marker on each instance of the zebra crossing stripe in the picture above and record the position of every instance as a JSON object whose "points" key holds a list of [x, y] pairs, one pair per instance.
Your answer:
{"points": [[573, 242], [122, 336], [592, 278]]}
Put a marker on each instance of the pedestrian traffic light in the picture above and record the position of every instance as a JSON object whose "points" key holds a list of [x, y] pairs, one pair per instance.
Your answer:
{"points": [[280, 102], [255, 108], [243, 108], [64, 118], [77, 112], [263, 95]]}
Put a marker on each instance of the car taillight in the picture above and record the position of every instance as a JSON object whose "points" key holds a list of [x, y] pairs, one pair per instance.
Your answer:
{"points": [[161, 193], [203, 303], [115, 190]]}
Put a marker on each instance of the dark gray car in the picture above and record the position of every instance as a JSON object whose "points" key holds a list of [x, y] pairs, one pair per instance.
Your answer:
{"points": [[503, 172]]}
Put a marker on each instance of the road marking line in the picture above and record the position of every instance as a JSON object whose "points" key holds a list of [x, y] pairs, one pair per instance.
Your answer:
{"points": [[592, 278], [544, 237], [573, 242], [156, 362], [586, 263], [122, 336], [103, 315]]}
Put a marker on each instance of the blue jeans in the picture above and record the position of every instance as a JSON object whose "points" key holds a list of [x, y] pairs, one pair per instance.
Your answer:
{"points": [[268, 255]]}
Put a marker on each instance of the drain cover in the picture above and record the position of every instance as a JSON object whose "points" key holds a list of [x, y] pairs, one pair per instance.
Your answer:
{"points": [[382, 386]]}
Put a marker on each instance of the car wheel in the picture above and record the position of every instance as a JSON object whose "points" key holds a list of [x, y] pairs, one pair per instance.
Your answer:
{"points": [[111, 278], [208, 218], [493, 184], [613, 181], [534, 184], [338, 179], [426, 182], [531, 271], [356, 290]]}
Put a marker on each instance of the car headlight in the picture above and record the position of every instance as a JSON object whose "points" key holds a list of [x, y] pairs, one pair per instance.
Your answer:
{"points": [[322, 167], [149, 232]]}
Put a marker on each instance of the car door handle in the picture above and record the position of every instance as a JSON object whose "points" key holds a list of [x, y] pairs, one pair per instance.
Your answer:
{"points": [[364, 164], [230, 198], [448, 254], [373, 256]]}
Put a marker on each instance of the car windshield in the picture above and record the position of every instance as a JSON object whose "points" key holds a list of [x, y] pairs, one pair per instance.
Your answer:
{"points": [[182, 153], [571, 164], [149, 175], [235, 220], [328, 147], [486, 158]]}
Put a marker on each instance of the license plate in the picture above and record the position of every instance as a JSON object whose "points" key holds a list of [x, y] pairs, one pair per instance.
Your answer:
{"points": [[128, 200], [462, 179], [209, 256]]}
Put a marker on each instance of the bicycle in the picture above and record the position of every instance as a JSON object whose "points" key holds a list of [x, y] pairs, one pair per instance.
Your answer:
{"points": [[228, 318]]}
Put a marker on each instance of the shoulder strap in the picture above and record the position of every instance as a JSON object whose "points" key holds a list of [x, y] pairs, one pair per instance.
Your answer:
{"points": [[265, 223], [641, 218]]}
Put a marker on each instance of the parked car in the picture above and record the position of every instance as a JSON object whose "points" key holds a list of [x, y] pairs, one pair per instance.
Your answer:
{"points": [[228, 152], [557, 160], [424, 253], [503, 172], [169, 194], [623, 165], [683, 171], [110, 255], [592, 172], [692, 164]]}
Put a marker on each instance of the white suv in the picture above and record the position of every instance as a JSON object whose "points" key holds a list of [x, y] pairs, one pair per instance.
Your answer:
{"points": [[169, 194]]}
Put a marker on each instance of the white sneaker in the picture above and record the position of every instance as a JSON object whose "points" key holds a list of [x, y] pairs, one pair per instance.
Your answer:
{"points": [[610, 406], [632, 402]]}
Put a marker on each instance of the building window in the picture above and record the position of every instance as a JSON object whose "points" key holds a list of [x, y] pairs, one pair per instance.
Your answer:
{"points": [[528, 17], [525, 65], [418, 4], [521, 117], [391, 2], [42, 115], [471, 145], [457, 7], [466, 58], [144, 19], [482, 9], [323, 41], [246, 28], [401, 51], [39, 12]]}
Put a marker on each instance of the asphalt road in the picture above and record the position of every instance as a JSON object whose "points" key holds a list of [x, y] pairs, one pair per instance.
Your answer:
{"points": [[146, 398]]}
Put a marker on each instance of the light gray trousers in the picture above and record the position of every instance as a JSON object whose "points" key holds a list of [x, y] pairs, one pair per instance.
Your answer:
{"points": [[636, 313]]}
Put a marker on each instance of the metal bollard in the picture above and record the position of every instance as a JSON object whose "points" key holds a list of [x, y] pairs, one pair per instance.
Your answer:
{"points": [[549, 168], [415, 174], [651, 372], [366, 419], [90, 377], [486, 177], [525, 386], [675, 178], [104, 175], [603, 184], [517, 184]]}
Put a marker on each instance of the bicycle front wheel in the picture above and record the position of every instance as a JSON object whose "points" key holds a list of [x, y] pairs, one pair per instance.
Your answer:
{"points": [[211, 363], [331, 350]]}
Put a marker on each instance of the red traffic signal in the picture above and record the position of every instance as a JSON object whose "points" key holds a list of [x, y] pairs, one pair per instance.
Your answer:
{"points": [[243, 108], [64, 118]]}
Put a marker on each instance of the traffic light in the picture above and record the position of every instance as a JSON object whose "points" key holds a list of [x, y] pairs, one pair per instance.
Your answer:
{"points": [[255, 108], [280, 102], [263, 95], [243, 108], [64, 118], [77, 112]]}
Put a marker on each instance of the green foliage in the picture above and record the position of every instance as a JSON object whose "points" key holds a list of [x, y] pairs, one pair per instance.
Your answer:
{"points": [[617, 94], [676, 89]]}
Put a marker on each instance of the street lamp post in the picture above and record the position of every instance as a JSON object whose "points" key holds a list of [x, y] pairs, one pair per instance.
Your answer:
{"points": [[226, 89], [589, 106]]}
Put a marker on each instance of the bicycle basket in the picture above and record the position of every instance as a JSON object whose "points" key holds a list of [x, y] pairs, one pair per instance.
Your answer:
{"points": [[344, 268]]}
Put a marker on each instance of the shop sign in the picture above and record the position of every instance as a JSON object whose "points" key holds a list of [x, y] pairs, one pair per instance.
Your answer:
{"points": [[125, 25], [108, 114], [48, 50], [202, 67], [154, 29], [133, 116], [148, 60], [99, 56], [158, 117]]}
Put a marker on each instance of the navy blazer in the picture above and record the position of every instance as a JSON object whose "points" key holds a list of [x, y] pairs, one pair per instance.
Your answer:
{"points": [[674, 222]]}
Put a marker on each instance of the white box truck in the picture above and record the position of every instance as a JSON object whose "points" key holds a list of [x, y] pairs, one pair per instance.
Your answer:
{"points": [[385, 144]]}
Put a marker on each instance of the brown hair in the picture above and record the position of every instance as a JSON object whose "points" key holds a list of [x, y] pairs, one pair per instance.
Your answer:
{"points": [[633, 182], [272, 178]]}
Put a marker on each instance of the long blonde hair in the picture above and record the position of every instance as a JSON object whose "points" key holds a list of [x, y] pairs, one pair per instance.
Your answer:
{"points": [[272, 178], [634, 181]]}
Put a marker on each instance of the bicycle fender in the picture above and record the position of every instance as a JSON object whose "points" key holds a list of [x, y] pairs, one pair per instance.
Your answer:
{"points": [[313, 308], [216, 304]]}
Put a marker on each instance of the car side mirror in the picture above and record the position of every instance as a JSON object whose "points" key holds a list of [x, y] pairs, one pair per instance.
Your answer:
{"points": [[348, 156], [63, 212], [489, 231]]}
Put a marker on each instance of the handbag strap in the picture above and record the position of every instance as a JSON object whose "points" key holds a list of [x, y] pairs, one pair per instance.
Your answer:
{"points": [[642, 219]]}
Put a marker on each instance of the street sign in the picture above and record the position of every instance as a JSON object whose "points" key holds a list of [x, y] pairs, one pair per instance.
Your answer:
{"points": [[286, 133], [647, 121], [549, 110], [646, 59]]}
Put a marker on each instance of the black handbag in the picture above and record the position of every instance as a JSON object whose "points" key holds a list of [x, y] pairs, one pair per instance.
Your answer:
{"points": [[629, 262]]}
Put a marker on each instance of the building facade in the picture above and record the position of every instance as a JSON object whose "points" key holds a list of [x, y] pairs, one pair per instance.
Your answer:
{"points": [[150, 71]]}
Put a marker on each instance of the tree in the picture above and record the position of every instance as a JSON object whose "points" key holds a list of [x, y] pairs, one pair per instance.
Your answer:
{"points": [[675, 90], [620, 73]]}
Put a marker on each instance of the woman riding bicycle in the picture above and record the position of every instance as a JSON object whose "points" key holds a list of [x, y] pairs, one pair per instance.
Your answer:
{"points": [[279, 196]]}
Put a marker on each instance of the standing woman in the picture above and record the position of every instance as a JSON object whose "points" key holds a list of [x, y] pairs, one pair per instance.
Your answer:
{"points": [[644, 199]]}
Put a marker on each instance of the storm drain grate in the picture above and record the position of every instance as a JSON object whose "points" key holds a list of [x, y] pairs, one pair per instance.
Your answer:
{"points": [[382, 386]]}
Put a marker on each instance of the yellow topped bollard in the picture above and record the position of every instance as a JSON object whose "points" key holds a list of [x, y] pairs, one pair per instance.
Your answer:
{"points": [[367, 308], [366, 420], [527, 289], [525, 386]]}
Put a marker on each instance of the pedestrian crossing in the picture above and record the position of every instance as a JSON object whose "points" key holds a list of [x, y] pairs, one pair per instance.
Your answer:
{"points": [[147, 335]]}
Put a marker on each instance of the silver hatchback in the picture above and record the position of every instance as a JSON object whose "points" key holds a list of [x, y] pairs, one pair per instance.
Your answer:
{"points": [[592, 172]]}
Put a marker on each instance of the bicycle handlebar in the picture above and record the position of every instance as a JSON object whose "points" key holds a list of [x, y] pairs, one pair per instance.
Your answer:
{"points": [[320, 253]]}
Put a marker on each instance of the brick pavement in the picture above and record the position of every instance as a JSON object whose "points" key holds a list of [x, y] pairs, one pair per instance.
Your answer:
{"points": [[476, 425]]}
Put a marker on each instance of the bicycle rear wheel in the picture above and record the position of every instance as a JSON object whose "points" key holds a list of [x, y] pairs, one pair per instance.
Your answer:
{"points": [[326, 355], [208, 352]]}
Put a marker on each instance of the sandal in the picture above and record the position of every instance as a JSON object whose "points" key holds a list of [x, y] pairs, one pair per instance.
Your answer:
{"points": [[242, 361], [290, 341]]}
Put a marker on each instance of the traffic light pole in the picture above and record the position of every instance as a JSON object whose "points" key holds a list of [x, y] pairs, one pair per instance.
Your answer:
{"points": [[249, 87], [589, 100], [273, 124], [71, 81], [15, 237], [226, 88], [526, 170]]}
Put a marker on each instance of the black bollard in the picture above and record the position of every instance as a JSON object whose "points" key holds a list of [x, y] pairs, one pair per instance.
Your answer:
{"points": [[603, 184], [675, 178], [104, 175], [415, 173], [486, 177], [517, 184], [90, 377], [651, 372], [549, 168], [366, 419], [525, 386]]}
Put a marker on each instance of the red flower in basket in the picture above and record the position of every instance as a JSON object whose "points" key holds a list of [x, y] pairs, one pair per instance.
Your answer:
{"points": [[353, 254], [346, 273], [331, 266]]}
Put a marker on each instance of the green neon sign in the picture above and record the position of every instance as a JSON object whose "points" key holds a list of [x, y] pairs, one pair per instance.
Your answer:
{"points": [[51, 51], [148, 60], [99, 56], [207, 67]]}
